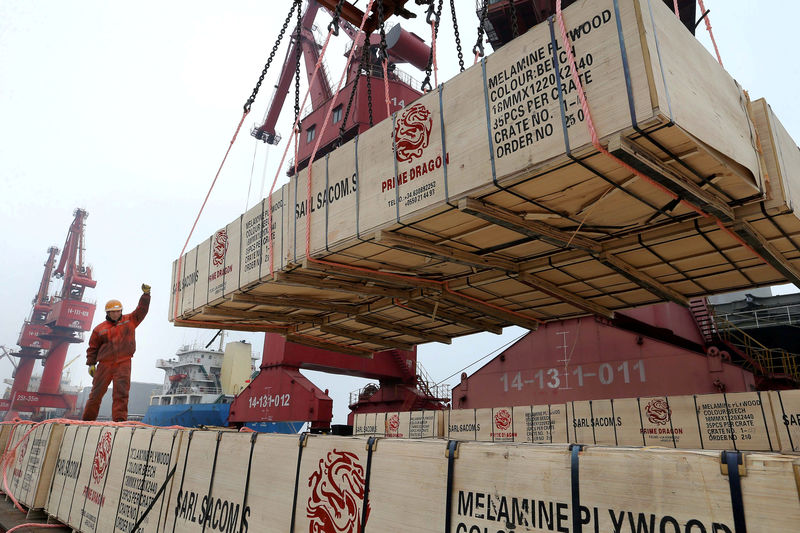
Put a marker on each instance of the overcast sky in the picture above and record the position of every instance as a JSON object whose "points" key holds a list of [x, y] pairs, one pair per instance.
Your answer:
{"points": [[126, 109]]}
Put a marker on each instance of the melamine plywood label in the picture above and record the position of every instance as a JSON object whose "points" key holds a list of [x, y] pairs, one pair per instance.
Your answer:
{"points": [[482, 512], [254, 222], [422, 424], [539, 425], [524, 94]]}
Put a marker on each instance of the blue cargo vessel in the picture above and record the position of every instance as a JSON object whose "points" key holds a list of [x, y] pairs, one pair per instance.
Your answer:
{"points": [[194, 395]]}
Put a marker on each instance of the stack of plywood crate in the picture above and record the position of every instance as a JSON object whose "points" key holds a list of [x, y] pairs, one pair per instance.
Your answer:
{"points": [[485, 203], [752, 421], [109, 478]]}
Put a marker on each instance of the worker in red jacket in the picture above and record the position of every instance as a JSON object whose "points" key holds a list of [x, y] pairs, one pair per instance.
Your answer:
{"points": [[111, 348]]}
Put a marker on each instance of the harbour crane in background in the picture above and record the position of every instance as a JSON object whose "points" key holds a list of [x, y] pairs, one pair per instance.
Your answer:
{"points": [[55, 322]]}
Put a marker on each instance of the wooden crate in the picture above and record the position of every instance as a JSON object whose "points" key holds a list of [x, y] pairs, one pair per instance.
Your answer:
{"points": [[670, 489], [65, 476], [35, 461], [320, 482], [106, 477], [6, 430], [411, 425], [781, 160], [104, 459], [369, 424], [738, 421], [242, 481], [136, 478], [487, 235], [786, 410]]}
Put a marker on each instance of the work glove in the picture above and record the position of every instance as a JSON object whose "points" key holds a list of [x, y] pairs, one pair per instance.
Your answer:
{"points": [[145, 288], [92, 369]]}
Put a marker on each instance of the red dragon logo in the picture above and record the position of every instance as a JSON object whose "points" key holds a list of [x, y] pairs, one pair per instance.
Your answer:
{"points": [[102, 457], [412, 132], [220, 247], [337, 490], [502, 419], [394, 423], [23, 449], [658, 412]]}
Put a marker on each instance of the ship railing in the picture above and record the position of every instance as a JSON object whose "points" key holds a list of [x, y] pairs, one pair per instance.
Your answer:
{"points": [[783, 315], [772, 361], [424, 383]]}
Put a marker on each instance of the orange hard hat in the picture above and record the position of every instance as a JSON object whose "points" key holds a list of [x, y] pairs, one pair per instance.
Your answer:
{"points": [[113, 305]]}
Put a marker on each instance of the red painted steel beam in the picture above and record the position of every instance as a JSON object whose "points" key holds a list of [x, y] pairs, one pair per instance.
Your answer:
{"points": [[282, 394], [287, 72], [28, 401], [383, 365], [353, 15], [320, 88]]}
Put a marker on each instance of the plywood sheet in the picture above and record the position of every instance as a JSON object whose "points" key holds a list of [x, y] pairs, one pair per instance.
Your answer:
{"points": [[781, 158]]}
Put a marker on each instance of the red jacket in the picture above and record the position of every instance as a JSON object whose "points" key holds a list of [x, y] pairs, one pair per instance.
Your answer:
{"points": [[112, 342]]}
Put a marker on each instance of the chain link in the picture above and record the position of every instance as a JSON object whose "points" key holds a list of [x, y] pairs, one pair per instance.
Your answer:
{"points": [[478, 48], [368, 55], [364, 52], [334, 24], [249, 103], [298, 56], [458, 36], [514, 24], [381, 23], [426, 83]]}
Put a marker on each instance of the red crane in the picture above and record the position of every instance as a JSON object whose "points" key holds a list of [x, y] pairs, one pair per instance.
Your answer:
{"points": [[31, 342], [55, 323], [70, 315], [401, 47], [280, 392]]}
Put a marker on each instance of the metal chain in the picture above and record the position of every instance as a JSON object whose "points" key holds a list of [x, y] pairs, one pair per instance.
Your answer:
{"points": [[514, 26], [334, 24], [368, 55], [458, 36], [381, 23], [299, 55], [426, 83], [364, 52], [478, 48], [249, 103]]}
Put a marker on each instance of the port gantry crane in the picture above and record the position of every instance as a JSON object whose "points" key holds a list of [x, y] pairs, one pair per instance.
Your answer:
{"points": [[55, 323], [280, 392]]}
